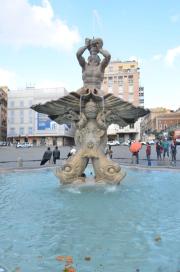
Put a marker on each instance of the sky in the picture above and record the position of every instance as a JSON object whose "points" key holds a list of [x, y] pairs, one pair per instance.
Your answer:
{"points": [[39, 40]]}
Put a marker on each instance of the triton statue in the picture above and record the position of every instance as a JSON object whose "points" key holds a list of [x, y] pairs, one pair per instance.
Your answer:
{"points": [[92, 112]]}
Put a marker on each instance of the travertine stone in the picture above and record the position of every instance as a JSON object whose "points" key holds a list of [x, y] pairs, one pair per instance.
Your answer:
{"points": [[92, 113]]}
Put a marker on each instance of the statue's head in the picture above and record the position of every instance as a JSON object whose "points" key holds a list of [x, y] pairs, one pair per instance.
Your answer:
{"points": [[91, 109], [94, 59]]}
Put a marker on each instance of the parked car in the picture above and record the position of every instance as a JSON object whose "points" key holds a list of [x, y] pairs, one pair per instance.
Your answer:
{"points": [[23, 145], [143, 143], [3, 143], [127, 143], [151, 142], [115, 142], [178, 141]]}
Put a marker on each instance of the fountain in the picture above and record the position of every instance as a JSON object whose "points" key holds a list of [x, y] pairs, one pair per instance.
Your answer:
{"points": [[92, 112]]}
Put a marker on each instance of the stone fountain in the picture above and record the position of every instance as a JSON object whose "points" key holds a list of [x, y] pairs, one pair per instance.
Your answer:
{"points": [[92, 112]]}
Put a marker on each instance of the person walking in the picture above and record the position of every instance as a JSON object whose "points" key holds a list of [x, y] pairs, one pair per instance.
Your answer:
{"points": [[159, 150], [46, 156], [71, 152], [165, 145], [135, 148], [173, 152], [56, 155], [148, 153], [109, 152]]}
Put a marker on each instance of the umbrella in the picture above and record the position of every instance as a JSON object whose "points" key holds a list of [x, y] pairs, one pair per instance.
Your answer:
{"points": [[135, 147]]}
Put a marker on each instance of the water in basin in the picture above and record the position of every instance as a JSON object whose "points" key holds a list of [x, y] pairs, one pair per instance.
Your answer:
{"points": [[132, 226]]}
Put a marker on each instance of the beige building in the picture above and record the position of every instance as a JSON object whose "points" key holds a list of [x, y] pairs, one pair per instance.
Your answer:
{"points": [[157, 120], [3, 113], [24, 124], [122, 80]]}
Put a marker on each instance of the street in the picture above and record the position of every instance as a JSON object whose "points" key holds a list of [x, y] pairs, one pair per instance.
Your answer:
{"points": [[32, 156]]}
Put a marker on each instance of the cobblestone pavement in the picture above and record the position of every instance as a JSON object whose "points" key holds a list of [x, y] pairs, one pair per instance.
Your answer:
{"points": [[32, 156]]}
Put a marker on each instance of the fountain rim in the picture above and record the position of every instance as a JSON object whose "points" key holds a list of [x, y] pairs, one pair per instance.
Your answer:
{"points": [[136, 167]]}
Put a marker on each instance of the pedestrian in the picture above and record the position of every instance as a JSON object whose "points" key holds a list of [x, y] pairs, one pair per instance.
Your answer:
{"points": [[135, 157], [56, 155], [173, 152], [109, 152], [148, 153], [165, 145], [159, 150], [46, 156], [71, 152], [135, 148]]}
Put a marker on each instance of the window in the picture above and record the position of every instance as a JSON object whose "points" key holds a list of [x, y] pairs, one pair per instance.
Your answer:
{"points": [[12, 131], [30, 119], [30, 130], [12, 104], [21, 104], [21, 130], [22, 119], [110, 68], [120, 80], [30, 103], [120, 68], [130, 80], [131, 125], [12, 119], [115, 79], [53, 125], [131, 89], [110, 82]]}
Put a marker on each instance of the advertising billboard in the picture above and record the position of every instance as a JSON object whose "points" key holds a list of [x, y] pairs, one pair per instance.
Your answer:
{"points": [[43, 121]]}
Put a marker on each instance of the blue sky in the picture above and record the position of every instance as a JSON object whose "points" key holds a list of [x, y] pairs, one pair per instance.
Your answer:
{"points": [[39, 39]]}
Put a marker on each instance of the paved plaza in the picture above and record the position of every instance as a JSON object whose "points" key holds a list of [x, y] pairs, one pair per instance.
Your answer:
{"points": [[31, 157]]}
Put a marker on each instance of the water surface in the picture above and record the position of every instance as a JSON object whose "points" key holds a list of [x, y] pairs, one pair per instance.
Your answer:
{"points": [[132, 226]]}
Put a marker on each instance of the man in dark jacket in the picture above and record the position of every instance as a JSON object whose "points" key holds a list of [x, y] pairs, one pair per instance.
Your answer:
{"points": [[47, 156], [56, 154]]}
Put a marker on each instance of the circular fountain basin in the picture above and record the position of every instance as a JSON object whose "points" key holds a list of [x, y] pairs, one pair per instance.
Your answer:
{"points": [[104, 228]]}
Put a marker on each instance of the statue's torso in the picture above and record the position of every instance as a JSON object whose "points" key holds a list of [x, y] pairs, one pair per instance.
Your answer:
{"points": [[92, 76]]}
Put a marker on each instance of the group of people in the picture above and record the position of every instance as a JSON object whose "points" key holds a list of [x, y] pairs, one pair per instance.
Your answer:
{"points": [[55, 154], [163, 149], [48, 154]]}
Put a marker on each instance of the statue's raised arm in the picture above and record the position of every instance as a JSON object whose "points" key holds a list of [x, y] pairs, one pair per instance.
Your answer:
{"points": [[106, 59]]}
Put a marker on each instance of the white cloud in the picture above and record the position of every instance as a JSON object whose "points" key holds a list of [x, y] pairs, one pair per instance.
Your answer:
{"points": [[24, 24], [175, 18], [157, 57], [7, 78], [171, 55]]}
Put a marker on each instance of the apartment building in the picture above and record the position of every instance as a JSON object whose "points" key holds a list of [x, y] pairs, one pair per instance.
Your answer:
{"points": [[3, 113], [122, 80], [159, 119], [24, 124]]}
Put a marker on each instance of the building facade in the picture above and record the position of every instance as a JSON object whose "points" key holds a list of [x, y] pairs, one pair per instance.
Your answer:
{"points": [[159, 119], [122, 80], [3, 113], [26, 125]]}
